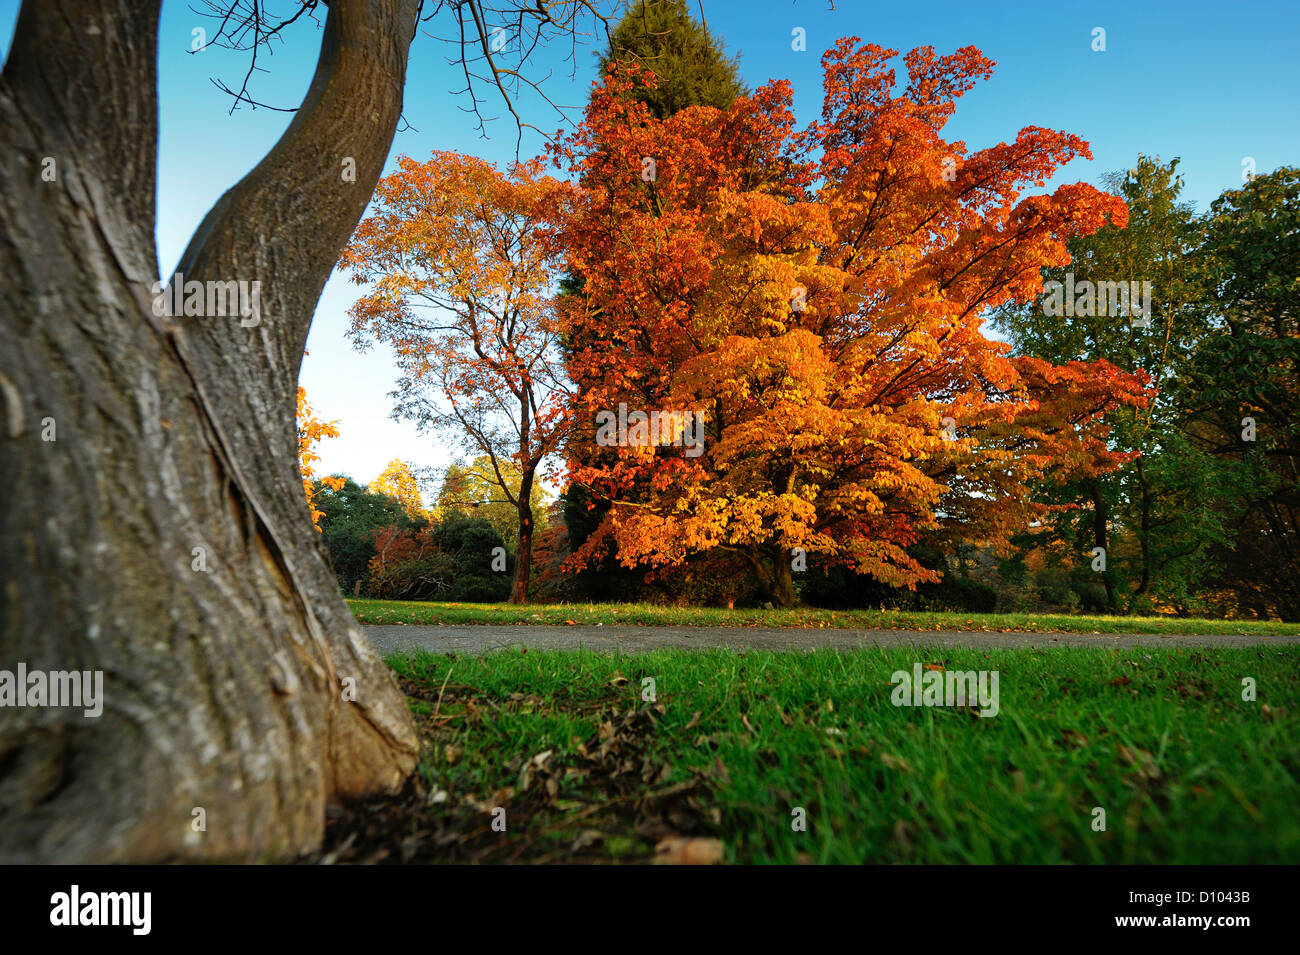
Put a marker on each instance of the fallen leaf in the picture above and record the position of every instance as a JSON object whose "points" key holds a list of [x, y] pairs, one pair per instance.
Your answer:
{"points": [[1141, 760], [895, 762], [677, 850]]}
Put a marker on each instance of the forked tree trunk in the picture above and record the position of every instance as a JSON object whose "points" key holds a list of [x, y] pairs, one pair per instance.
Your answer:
{"points": [[776, 582], [782, 594], [138, 450]]}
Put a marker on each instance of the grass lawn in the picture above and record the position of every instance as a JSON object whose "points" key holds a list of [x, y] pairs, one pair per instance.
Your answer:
{"points": [[1161, 739], [397, 611]]}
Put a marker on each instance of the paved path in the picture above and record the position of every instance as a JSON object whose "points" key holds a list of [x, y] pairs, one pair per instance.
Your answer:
{"points": [[478, 639]]}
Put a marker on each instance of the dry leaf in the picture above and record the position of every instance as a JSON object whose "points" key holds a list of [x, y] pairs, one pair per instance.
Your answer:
{"points": [[1141, 760], [677, 850]]}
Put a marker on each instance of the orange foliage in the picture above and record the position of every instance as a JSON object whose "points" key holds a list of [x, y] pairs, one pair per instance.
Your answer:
{"points": [[818, 296], [310, 431], [461, 259], [406, 565]]}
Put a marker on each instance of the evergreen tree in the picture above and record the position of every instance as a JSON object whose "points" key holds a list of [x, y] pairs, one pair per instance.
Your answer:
{"points": [[692, 69]]}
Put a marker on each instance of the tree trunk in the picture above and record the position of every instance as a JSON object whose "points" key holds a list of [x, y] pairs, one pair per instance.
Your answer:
{"points": [[156, 528], [523, 554], [782, 594], [1144, 528], [524, 551], [524, 501], [777, 583], [1100, 534]]}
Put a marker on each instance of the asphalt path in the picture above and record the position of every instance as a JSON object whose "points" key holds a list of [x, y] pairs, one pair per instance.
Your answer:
{"points": [[482, 639]]}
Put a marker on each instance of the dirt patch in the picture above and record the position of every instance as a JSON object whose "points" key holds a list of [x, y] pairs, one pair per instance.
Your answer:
{"points": [[611, 800]]}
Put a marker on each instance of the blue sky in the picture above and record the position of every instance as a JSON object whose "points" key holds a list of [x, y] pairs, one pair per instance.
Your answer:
{"points": [[1212, 83]]}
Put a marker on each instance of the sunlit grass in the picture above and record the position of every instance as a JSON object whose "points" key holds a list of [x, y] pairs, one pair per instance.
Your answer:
{"points": [[1161, 739], [396, 612]]}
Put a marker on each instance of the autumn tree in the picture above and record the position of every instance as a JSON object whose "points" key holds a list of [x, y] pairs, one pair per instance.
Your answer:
{"points": [[398, 481], [817, 297], [461, 260], [691, 68], [162, 444], [408, 565]]}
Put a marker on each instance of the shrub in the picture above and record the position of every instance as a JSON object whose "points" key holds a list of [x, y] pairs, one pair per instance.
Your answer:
{"points": [[409, 565]]}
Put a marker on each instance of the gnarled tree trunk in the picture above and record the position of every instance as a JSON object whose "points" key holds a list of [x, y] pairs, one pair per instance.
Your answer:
{"points": [[155, 527]]}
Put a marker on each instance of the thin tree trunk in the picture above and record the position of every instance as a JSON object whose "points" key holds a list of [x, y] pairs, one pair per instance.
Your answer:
{"points": [[1144, 528], [524, 550], [161, 536], [523, 554], [1099, 532]]}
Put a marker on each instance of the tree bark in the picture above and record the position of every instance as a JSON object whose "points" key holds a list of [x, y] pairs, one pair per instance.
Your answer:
{"points": [[523, 554], [1100, 535], [777, 583], [783, 581], [161, 536], [1144, 528], [524, 549]]}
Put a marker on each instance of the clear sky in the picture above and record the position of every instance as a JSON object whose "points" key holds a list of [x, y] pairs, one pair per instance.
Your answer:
{"points": [[1212, 83]]}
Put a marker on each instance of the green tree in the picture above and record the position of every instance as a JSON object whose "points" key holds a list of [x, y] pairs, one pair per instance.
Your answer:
{"points": [[1243, 390], [474, 490], [689, 62], [472, 543], [1157, 517], [350, 516]]}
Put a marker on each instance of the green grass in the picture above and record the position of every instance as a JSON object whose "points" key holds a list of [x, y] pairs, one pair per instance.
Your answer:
{"points": [[398, 612], [1186, 771]]}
